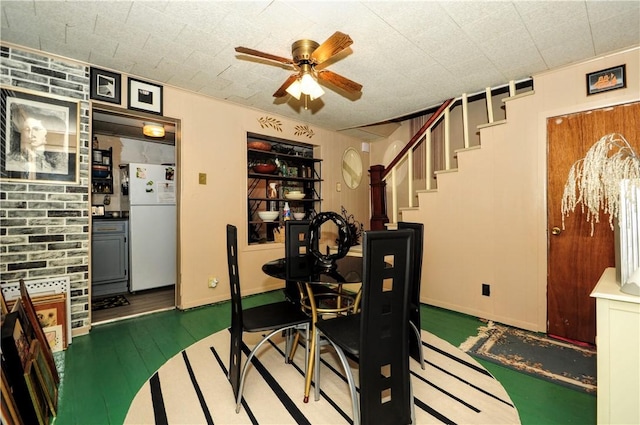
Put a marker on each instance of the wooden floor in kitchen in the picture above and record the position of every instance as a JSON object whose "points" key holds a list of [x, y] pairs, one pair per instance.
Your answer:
{"points": [[139, 303]]}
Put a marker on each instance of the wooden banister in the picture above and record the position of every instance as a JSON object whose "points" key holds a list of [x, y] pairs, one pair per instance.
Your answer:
{"points": [[416, 137]]}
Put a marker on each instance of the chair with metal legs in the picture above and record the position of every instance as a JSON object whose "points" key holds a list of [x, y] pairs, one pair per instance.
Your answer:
{"points": [[377, 337], [316, 300], [328, 300], [415, 344], [271, 318]]}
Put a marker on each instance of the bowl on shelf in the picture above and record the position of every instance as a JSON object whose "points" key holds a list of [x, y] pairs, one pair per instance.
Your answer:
{"points": [[298, 215], [296, 196], [100, 171], [268, 215], [264, 168], [261, 146]]}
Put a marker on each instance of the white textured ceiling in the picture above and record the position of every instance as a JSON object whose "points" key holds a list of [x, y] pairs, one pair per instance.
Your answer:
{"points": [[408, 56]]}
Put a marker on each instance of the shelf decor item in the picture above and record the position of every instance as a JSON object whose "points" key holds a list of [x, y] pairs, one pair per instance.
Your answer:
{"points": [[328, 261], [144, 96], [594, 181], [40, 137], [355, 227], [258, 145], [264, 168]]}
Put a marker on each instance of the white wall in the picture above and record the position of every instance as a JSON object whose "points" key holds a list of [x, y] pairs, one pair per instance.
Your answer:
{"points": [[213, 141]]}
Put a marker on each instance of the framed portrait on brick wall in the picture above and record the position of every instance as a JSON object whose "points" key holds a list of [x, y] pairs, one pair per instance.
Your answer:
{"points": [[40, 136]]}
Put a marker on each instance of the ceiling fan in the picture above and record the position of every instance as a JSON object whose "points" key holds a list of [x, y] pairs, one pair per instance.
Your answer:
{"points": [[306, 55]]}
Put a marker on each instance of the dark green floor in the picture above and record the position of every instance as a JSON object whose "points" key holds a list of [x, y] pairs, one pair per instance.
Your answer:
{"points": [[104, 370]]}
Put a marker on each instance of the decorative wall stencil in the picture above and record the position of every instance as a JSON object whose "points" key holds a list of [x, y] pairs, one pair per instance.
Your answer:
{"points": [[270, 122], [304, 130]]}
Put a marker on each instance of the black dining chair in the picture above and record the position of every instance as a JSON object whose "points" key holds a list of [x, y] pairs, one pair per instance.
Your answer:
{"points": [[271, 318], [376, 337], [415, 344], [327, 299]]}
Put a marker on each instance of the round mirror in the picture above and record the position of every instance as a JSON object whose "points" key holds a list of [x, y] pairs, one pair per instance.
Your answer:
{"points": [[351, 168]]}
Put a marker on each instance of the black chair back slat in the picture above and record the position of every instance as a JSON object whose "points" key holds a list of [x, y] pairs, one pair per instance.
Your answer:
{"points": [[296, 246], [236, 309], [384, 358], [415, 346]]}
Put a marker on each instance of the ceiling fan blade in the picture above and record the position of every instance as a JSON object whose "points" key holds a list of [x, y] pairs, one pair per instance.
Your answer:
{"points": [[339, 81], [260, 54], [332, 46], [282, 91]]}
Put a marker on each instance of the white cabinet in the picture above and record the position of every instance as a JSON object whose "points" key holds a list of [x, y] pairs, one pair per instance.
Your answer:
{"points": [[618, 342]]}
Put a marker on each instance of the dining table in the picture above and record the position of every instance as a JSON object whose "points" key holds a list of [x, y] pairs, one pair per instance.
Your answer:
{"points": [[306, 269]]}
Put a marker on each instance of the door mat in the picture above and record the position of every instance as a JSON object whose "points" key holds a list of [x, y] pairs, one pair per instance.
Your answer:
{"points": [[109, 302], [535, 354]]}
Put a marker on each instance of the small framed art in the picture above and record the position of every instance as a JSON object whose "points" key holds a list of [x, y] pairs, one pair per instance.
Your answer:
{"points": [[606, 79], [105, 85], [144, 96]]}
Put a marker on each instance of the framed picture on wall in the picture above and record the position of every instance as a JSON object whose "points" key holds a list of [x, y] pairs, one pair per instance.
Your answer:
{"points": [[606, 79], [40, 136], [144, 96], [105, 85]]}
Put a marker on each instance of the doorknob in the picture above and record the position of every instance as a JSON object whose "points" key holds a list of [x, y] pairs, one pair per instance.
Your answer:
{"points": [[556, 231]]}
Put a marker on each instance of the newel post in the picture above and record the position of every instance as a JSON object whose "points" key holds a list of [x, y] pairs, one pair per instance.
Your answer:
{"points": [[378, 198]]}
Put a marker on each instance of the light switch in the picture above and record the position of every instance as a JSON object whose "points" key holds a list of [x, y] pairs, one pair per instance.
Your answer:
{"points": [[338, 187], [202, 178]]}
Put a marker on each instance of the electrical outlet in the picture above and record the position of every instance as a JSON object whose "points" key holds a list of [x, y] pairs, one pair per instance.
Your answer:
{"points": [[213, 282], [486, 289]]}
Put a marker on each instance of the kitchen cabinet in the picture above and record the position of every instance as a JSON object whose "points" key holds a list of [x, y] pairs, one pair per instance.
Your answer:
{"points": [[293, 168], [109, 256], [102, 171]]}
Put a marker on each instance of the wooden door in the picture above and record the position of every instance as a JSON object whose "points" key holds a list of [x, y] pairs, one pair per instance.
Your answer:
{"points": [[576, 259]]}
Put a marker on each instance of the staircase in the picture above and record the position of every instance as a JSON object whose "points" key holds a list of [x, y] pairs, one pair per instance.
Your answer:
{"points": [[435, 148]]}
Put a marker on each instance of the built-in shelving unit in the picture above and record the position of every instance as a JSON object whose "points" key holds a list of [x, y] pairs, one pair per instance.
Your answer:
{"points": [[102, 171], [296, 169]]}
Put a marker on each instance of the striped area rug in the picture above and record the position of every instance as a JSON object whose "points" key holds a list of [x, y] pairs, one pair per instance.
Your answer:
{"points": [[192, 388]]}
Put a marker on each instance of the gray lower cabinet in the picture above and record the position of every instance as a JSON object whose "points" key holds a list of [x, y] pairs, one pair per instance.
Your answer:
{"points": [[109, 257]]}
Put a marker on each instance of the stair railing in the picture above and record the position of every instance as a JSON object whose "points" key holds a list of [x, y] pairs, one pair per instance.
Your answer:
{"points": [[424, 135]]}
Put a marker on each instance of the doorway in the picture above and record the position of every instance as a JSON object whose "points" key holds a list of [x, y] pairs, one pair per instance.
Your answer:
{"points": [[576, 259], [120, 133]]}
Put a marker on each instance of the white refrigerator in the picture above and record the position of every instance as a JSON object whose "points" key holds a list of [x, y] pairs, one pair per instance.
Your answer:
{"points": [[152, 225]]}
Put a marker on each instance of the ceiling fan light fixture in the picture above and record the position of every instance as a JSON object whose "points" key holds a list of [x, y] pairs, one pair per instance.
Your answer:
{"points": [[317, 92], [295, 89], [310, 86], [152, 129]]}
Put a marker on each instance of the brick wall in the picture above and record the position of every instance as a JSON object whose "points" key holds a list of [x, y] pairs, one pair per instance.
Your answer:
{"points": [[44, 228]]}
